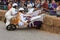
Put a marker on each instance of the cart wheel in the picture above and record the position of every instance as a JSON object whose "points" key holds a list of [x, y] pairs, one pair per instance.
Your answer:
{"points": [[11, 27], [5, 20]]}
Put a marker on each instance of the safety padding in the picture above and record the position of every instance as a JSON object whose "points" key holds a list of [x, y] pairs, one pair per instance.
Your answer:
{"points": [[2, 15], [51, 24]]}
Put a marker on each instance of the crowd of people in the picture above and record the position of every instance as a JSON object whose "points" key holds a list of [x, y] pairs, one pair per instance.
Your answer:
{"points": [[46, 5], [29, 11]]}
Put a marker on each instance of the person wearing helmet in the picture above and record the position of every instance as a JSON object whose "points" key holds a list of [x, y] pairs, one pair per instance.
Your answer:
{"points": [[11, 13], [23, 21]]}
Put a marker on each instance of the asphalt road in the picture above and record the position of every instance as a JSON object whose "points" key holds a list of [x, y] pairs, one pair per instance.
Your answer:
{"points": [[27, 34]]}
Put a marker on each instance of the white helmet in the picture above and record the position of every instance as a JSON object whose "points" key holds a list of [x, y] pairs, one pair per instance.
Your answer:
{"points": [[21, 9], [15, 4]]}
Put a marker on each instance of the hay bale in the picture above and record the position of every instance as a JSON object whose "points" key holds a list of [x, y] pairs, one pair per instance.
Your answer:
{"points": [[2, 15], [56, 30], [47, 28], [48, 20], [57, 25], [57, 22], [0, 18], [2, 12], [51, 24], [51, 29]]}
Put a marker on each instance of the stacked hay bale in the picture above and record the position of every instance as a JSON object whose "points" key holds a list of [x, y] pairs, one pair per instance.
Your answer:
{"points": [[51, 24], [48, 23], [57, 25], [2, 15]]}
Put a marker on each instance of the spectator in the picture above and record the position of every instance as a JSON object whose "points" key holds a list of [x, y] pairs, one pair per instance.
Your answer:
{"points": [[10, 5], [57, 0], [49, 5], [37, 3], [22, 3], [58, 9], [17, 2], [7, 2], [45, 5], [29, 5], [54, 6]]}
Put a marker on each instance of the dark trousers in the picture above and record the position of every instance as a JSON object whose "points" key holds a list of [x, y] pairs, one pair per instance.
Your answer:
{"points": [[38, 24]]}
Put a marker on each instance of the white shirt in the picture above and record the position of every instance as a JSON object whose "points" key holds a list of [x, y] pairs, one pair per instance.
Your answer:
{"points": [[23, 19], [30, 11], [38, 18], [35, 13], [30, 5], [11, 12]]}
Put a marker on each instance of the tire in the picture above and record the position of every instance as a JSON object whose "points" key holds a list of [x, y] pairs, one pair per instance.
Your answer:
{"points": [[11, 27], [14, 27]]}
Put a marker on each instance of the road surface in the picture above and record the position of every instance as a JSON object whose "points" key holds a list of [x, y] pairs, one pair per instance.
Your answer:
{"points": [[27, 34]]}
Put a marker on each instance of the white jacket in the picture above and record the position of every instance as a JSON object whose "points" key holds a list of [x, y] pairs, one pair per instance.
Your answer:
{"points": [[11, 13], [23, 19]]}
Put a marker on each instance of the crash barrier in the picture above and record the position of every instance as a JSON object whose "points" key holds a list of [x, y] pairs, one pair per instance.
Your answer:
{"points": [[2, 15], [50, 23]]}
